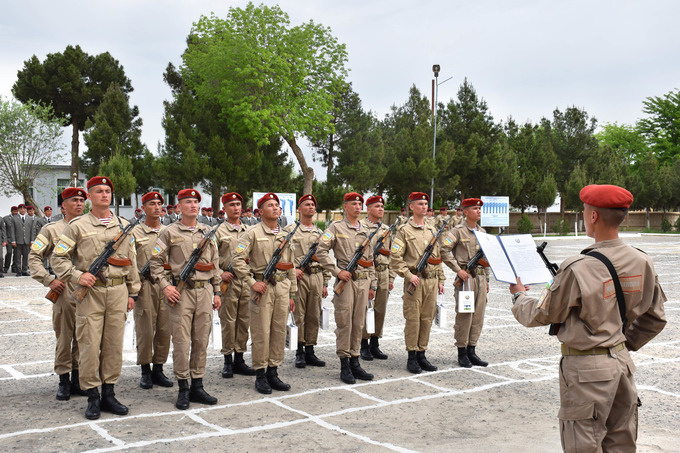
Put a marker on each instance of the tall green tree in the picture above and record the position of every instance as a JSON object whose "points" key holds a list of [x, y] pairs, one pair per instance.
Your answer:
{"points": [[268, 77], [118, 167], [73, 83], [627, 141], [662, 126]]}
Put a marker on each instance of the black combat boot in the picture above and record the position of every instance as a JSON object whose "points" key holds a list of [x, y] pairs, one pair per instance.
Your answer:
{"points": [[357, 371], [93, 411], [261, 384], [75, 384], [274, 381], [300, 361], [423, 362], [110, 403], [463, 359], [158, 377], [145, 382], [183, 395], [412, 364], [197, 393], [474, 358], [228, 368], [64, 389], [240, 366], [375, 349], [345, 374], [311, 358], [365, 350]]}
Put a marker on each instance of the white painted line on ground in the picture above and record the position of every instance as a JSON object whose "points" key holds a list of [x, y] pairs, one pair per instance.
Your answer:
{"points": [[14, 373], [105, 434], [657, 390], [364, 395], [429, 384], [25, 310], [204, 422], [19, 334]]}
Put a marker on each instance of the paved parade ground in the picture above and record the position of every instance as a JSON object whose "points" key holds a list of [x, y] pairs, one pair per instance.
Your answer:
{"points": [[510, 406]]}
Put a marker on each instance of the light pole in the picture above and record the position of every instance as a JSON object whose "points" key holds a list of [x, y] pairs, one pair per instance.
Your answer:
{"points": [[435, 95]]}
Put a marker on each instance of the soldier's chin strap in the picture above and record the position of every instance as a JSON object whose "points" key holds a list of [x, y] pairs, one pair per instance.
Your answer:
{"points": [[617, 286]]}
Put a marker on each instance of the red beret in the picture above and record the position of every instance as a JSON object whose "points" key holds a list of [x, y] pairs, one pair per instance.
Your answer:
{"points": [[99, 180], [247, 209], [231, 196], [221, 212], [71, 192], [22, 206], [256, 211], [152, 196], [375, 199], [170, 207], [30, 207], [137, 210], [309, 196], [188, 193], [606, 196], [443, 208], [472, 202], [267, 197], [47, 207], [353, 196], [13, 208], [418, 196], [209, 209]]}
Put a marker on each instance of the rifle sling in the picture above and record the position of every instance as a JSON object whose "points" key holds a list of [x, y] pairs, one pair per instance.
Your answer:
{"points": [[617, 286]]}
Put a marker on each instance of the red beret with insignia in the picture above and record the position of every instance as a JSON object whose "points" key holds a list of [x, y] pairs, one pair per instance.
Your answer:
{"points": [[353, 196], [606, 196], [152, 196], [418, 196], [47, 208], [209, 209], [375, 199], [309, 196], [99, 181], [71, 192], [169, 207], [472, 202], [266, 197], [22, 206], [13, 208], [231, 196], [188, 193], [221, 212], [29, 207], [443, 208], [137, 210]]}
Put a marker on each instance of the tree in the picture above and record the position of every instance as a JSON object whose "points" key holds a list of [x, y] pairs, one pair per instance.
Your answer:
{"points": [[662, 127], [74, 83], [269, 79], [30, 140], [627, 141], [118, 167]]}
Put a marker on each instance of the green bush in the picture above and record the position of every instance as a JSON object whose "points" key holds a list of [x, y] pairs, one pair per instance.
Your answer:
{"points": [[666, 225], [321, 224], [562, 228], [677, 224], [524, 225]]}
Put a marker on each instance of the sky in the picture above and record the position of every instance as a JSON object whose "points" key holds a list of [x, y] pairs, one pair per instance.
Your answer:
{"points": [[524, 57]]}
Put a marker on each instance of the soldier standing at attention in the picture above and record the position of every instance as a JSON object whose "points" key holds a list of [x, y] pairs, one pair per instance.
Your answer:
{"points": [[192, 309], [375, 206], [312, 284], [458, 247], [21, 238], [419, 308], [9, 264], [344, 237], [598, 396], [234, 311], [268, 316], [152, 314], [64, 309], [100, 318]]}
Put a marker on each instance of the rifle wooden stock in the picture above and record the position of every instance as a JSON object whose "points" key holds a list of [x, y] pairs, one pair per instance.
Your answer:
{"points": [[79, 294], [223, 287], [256, 298], [340, 287], [52, 296]]}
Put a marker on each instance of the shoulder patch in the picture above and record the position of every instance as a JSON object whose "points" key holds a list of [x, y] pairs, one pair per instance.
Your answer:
{"points": [[62, 248], [447, 241], [240, 248], [38, 244], [327, 236]]}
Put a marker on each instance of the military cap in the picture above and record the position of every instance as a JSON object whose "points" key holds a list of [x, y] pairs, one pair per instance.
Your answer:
{"points": [[418, 196], [309, 196], [221, 212], [231, 196], [375, 199], [188, 193], [137, 210], [443, 208], [71, 192], [13, 208], [606, 196], [99, 180], [353, 196], [29, 207], [472, 202], [267, 197], [47, 207], [209, 209], [22, 206], [152, 196]]}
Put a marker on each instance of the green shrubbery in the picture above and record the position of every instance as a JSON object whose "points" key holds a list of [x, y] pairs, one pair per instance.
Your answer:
{"points": [[524, 225], [562, 228]]}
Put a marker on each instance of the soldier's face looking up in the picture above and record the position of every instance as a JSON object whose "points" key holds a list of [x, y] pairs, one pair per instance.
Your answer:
{"points": [[270, 210], [73, 206], [189, 207], [307, 208], [100, 195], [419, 207], [152, 209], [233, 209]]}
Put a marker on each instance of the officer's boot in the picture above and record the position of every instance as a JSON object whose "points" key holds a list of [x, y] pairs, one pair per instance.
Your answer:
{"points": [[197, 393], [145, 382], [375, 349], [64, 389], [183, 395], [345, 373], [93, 411], [463, 359], [474, 358], [300, 361], [75, 384], [274, 381], [240, 366], [158, 377], [228, 368], [357, 371], [311, 358], [412, 364], [110, 403], [423, 362], [261, 384], [365, 350]]}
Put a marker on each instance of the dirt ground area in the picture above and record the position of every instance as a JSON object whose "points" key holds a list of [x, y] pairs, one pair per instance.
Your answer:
{"points": [[509, 406]]}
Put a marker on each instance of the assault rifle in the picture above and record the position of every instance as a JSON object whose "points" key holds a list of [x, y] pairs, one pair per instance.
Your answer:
{"points": [[104, 259], [309, 256], [552, 268], [268, 274], [425, 259], [193, 264], [354, 262], [471, 266], [381, 240]]}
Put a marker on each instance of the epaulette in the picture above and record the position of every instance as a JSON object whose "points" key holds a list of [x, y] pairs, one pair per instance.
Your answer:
{"points": [[571, 260]]}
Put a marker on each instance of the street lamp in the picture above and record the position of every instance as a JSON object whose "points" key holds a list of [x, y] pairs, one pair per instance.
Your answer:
{"points": [[435, 97]]}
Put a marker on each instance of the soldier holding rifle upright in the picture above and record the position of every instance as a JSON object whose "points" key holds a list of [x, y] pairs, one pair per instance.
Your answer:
{"points": [[270, 300], [100, 316], [193, 299], [64, 308], [349, 239]]}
